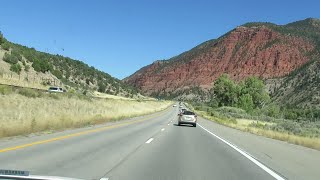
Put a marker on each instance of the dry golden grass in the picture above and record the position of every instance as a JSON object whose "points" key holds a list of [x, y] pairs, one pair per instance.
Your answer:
{"points": [[247, 122], [22, 115], [244, 125], [109, 96], [298, 140]]}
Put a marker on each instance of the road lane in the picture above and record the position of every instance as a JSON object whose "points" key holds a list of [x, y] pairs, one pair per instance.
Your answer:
{"points": [[185, 152], [156, 148], [88, 156]]}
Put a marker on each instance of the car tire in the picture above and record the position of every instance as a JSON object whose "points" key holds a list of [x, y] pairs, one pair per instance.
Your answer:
{"points": [[194, 125], [179, 124]]}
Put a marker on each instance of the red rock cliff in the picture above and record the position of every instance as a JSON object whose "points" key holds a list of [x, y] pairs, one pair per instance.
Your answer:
{"points": [[243, 52]]}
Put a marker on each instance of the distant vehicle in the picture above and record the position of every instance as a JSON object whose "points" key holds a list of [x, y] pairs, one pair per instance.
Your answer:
{"points": [[187, 117], [174, 105], [182, 110], [55, 89], [180, 106]]}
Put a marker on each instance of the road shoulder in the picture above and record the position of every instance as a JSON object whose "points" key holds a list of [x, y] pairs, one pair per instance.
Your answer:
{"points": [[290, 161]]}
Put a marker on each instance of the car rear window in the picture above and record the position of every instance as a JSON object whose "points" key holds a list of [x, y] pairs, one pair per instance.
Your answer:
{"points": [[188, 113]]}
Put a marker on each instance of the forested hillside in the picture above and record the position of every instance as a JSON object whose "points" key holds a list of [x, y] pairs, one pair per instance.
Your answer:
{"points": [[72, 73]]}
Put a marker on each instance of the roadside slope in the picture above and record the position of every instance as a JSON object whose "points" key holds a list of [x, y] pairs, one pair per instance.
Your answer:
{"points": [[25, 111]]}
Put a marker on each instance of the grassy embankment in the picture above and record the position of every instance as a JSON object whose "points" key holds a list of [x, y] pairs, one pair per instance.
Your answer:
{"points": [[307, 136], [25, 111]]}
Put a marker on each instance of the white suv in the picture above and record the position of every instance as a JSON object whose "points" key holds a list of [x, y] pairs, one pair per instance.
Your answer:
{"points": [[187, 117], [55, 89]]}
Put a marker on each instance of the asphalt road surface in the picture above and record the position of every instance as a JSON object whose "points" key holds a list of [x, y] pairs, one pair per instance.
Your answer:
{"points": [[154, 147]]}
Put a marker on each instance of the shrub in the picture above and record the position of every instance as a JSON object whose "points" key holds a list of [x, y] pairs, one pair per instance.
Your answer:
{"points": [[27, 68], [9, 58], [5, 46], [58, 74], [2, 39], [5, 89], [16, 54], [53, 96], [15, 68], [290, 115], [256, 124], [41, 65], [273, 111], [226, 109], [29, 93], [102, 87]]}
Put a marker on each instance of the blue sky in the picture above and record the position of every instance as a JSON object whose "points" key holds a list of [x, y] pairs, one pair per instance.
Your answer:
{"points": [[119, 37]]}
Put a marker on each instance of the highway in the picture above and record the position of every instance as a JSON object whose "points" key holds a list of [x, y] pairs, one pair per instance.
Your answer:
{"points": [[154, 147]]}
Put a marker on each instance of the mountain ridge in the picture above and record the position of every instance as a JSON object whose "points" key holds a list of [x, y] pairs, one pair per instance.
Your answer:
{"points": [[258, 49]]}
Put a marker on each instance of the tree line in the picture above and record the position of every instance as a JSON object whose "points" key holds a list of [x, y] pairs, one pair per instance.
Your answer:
{"points": [[248, 94], [251, 96]]}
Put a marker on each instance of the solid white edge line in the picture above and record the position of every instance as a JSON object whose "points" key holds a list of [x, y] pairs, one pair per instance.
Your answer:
{"points": [[104, 179], [149, 140], [269, 171]]}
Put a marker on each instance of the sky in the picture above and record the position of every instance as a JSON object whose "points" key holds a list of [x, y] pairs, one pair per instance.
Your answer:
{"points": [[119, 37]]}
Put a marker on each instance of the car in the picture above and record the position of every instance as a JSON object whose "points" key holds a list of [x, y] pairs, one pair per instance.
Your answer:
{"points": [[187, 117], [55, 90], [182, 110], [180, 106], [174, 105]]}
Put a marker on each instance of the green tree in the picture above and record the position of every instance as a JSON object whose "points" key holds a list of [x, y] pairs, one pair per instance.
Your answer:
{"points": [[256, 88], [226, 91], [246, 102]]}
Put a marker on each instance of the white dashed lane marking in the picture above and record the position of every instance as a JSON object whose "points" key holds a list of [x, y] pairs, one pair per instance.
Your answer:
{"points": [[149, 141], [245, 154]]}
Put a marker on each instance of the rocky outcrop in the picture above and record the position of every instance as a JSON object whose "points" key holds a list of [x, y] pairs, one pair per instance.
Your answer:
{"points": [[245, 51]]}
